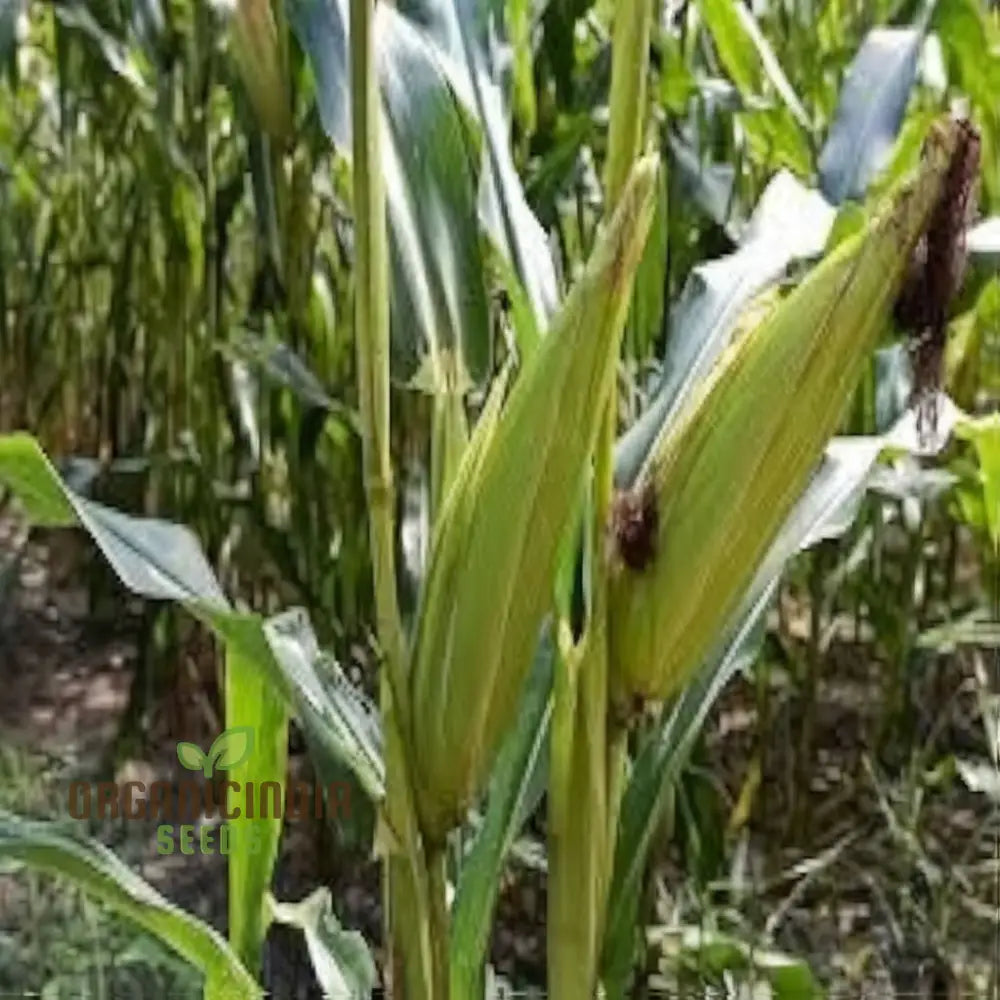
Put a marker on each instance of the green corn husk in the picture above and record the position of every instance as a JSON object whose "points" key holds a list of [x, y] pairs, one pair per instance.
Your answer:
{"points": [[494, 555], [722, 479], [258, 55]]}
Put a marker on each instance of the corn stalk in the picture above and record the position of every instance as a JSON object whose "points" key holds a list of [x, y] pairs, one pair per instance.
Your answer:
{"points": [[588, 747], [406, 890]]}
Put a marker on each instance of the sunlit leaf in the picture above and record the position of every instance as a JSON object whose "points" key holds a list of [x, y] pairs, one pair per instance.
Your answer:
{"points": [[251, 751], [746, 53]]}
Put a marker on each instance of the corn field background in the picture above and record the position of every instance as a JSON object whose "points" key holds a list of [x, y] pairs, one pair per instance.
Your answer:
{"points": [[583, 417]]}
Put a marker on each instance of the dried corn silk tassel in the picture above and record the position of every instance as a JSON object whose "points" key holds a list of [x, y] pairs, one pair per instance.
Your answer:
{"points": [[634, 523], [935, 274]]}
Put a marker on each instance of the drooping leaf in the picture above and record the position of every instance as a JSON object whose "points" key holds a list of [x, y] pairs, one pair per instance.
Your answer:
{"points": [[163, 561], [154, 558], [347, 721], [869, 112], [94, 869], [431, 158], [340, 958]]}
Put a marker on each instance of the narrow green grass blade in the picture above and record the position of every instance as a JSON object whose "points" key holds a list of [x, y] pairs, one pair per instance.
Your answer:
{"points": [[254, 841]]}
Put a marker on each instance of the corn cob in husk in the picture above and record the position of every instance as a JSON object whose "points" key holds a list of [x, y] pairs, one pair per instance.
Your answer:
{"points": [[257, 50], [718, 484], [494, 555]]}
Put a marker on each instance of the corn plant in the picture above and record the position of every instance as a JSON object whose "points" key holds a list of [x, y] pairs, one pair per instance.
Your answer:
{"points": [[675, 530]]}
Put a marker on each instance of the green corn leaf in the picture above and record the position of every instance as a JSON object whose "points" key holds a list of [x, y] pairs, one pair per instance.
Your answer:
{"points": [[746, 53], [164, 561], [466, 37], [870, 111], [431, 148], [95, 870], [780, 132], [340, 720], [153, 558], [253, 748]]}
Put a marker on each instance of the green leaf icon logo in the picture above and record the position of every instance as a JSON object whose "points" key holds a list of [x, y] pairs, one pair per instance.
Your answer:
{"points": [[231, 748], [190, 756]]}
